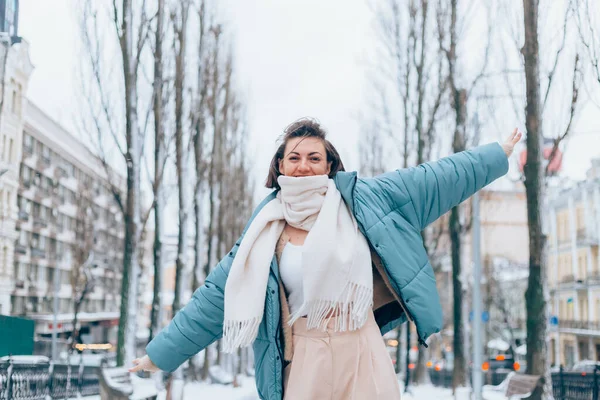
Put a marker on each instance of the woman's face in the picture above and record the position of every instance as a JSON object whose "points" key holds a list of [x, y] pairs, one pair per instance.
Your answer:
{"points": [[304, 157]]}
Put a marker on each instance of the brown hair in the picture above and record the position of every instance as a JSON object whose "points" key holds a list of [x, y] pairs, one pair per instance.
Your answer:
{"points": [[306, 128]]}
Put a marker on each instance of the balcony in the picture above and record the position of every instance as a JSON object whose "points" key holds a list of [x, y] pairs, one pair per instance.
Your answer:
{"points": [[40, 223], [38, 253], [568, 279], [23, 216], [586, 236], [581, 325], [60, 172], [21, 249]]}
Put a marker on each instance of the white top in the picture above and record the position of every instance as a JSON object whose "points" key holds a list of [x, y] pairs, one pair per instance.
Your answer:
{"points": [[290, 269]]}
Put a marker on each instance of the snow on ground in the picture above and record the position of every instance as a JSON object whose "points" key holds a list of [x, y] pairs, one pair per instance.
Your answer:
{"points": [[247, 391]]}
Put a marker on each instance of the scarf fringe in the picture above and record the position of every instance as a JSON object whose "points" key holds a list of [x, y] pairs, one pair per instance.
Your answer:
{"points": [[238, 334], [350, 310]]}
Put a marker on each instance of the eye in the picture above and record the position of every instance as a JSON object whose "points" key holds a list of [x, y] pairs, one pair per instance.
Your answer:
{"points": [[316, 159], [293, 158]]}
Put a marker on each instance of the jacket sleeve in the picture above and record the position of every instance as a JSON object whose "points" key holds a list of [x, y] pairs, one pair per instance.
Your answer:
{"points": [[435, 188], [195, 326], [200, 322]]}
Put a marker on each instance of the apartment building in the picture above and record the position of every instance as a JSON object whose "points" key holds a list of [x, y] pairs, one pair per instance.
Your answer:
{"points": [[15, 69], [57, 171], [574, 270]]}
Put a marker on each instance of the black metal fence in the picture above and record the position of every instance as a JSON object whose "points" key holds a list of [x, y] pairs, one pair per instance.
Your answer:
{"points": [[47, 380], [565, 385]]}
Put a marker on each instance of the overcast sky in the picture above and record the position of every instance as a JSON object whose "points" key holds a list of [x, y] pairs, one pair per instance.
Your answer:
{"points": [[295, 58]]}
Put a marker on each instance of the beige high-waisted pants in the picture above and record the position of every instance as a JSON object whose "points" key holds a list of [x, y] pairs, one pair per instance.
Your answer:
{"points": [[353, 365]]}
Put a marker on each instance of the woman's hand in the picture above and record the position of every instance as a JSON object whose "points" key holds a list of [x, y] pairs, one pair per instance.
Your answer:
{"points": [[509, 144], [143, 364]]}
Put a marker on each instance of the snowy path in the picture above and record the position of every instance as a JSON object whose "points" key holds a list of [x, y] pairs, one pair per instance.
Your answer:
{"points": [[202, 391]]}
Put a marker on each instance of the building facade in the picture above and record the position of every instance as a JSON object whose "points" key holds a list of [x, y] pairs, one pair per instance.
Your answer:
{"points": [[58, 174], [15, 70], [574, 271]]}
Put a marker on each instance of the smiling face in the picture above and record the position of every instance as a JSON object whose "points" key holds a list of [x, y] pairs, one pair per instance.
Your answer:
{"points": [[304, 157]]}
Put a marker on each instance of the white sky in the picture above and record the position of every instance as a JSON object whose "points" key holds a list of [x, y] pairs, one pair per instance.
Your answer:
{"points": [[295, 58]]}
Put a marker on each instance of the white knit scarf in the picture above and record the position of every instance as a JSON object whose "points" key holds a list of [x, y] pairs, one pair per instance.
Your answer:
{"points": [[336, 262]]}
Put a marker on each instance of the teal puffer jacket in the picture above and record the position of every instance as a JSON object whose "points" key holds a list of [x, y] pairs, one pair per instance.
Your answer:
{"points": [[392, 209]]}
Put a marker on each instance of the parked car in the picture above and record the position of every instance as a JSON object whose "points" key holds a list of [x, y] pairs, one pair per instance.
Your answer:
{"points": [[502, 362], [586, 366]]}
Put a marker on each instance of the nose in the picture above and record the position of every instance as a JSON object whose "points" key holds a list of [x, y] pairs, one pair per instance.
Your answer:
{"points": [[303, 166]]}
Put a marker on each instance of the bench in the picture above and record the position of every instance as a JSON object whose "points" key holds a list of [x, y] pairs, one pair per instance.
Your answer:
{"points": [[516, 386], [117, 384], [521, 386]]}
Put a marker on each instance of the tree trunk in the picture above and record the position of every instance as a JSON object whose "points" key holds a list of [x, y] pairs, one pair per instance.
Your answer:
{"points": [[212, 170], [129, 286], [421, 376], [156, 311], [535, 296], [459, 374], [459, 104], [180, 157]]}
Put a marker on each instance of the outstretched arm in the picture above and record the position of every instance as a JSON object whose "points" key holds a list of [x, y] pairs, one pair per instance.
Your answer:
{"points": [[436, 187]]}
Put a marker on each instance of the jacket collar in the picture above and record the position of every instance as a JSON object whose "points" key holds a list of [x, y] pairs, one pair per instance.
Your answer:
{"points": [[345, 182]]}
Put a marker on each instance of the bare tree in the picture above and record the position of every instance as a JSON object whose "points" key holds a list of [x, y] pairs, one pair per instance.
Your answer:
{"points": [[131, 29], [535, 296], [82, 280], [159, 165], [179, 19], [450, 24], [535, 173], [213, 111], [411, 59]]}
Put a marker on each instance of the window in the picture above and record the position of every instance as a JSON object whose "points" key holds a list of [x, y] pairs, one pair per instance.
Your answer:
{"points": [[10, 157], [59, 222], [68, 168], [582, 264], [66, 277], [13, 97], [17, 305], [42, 274], [580, 217], [8, 24], [45, 153], [51, 277], [35, 240], [28, 143], [26, 173], [20, 271], [23, 238], [33, 272]]}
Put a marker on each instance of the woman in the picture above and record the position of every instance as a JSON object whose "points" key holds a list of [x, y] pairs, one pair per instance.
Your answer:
{"points": [[326, 265]]}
